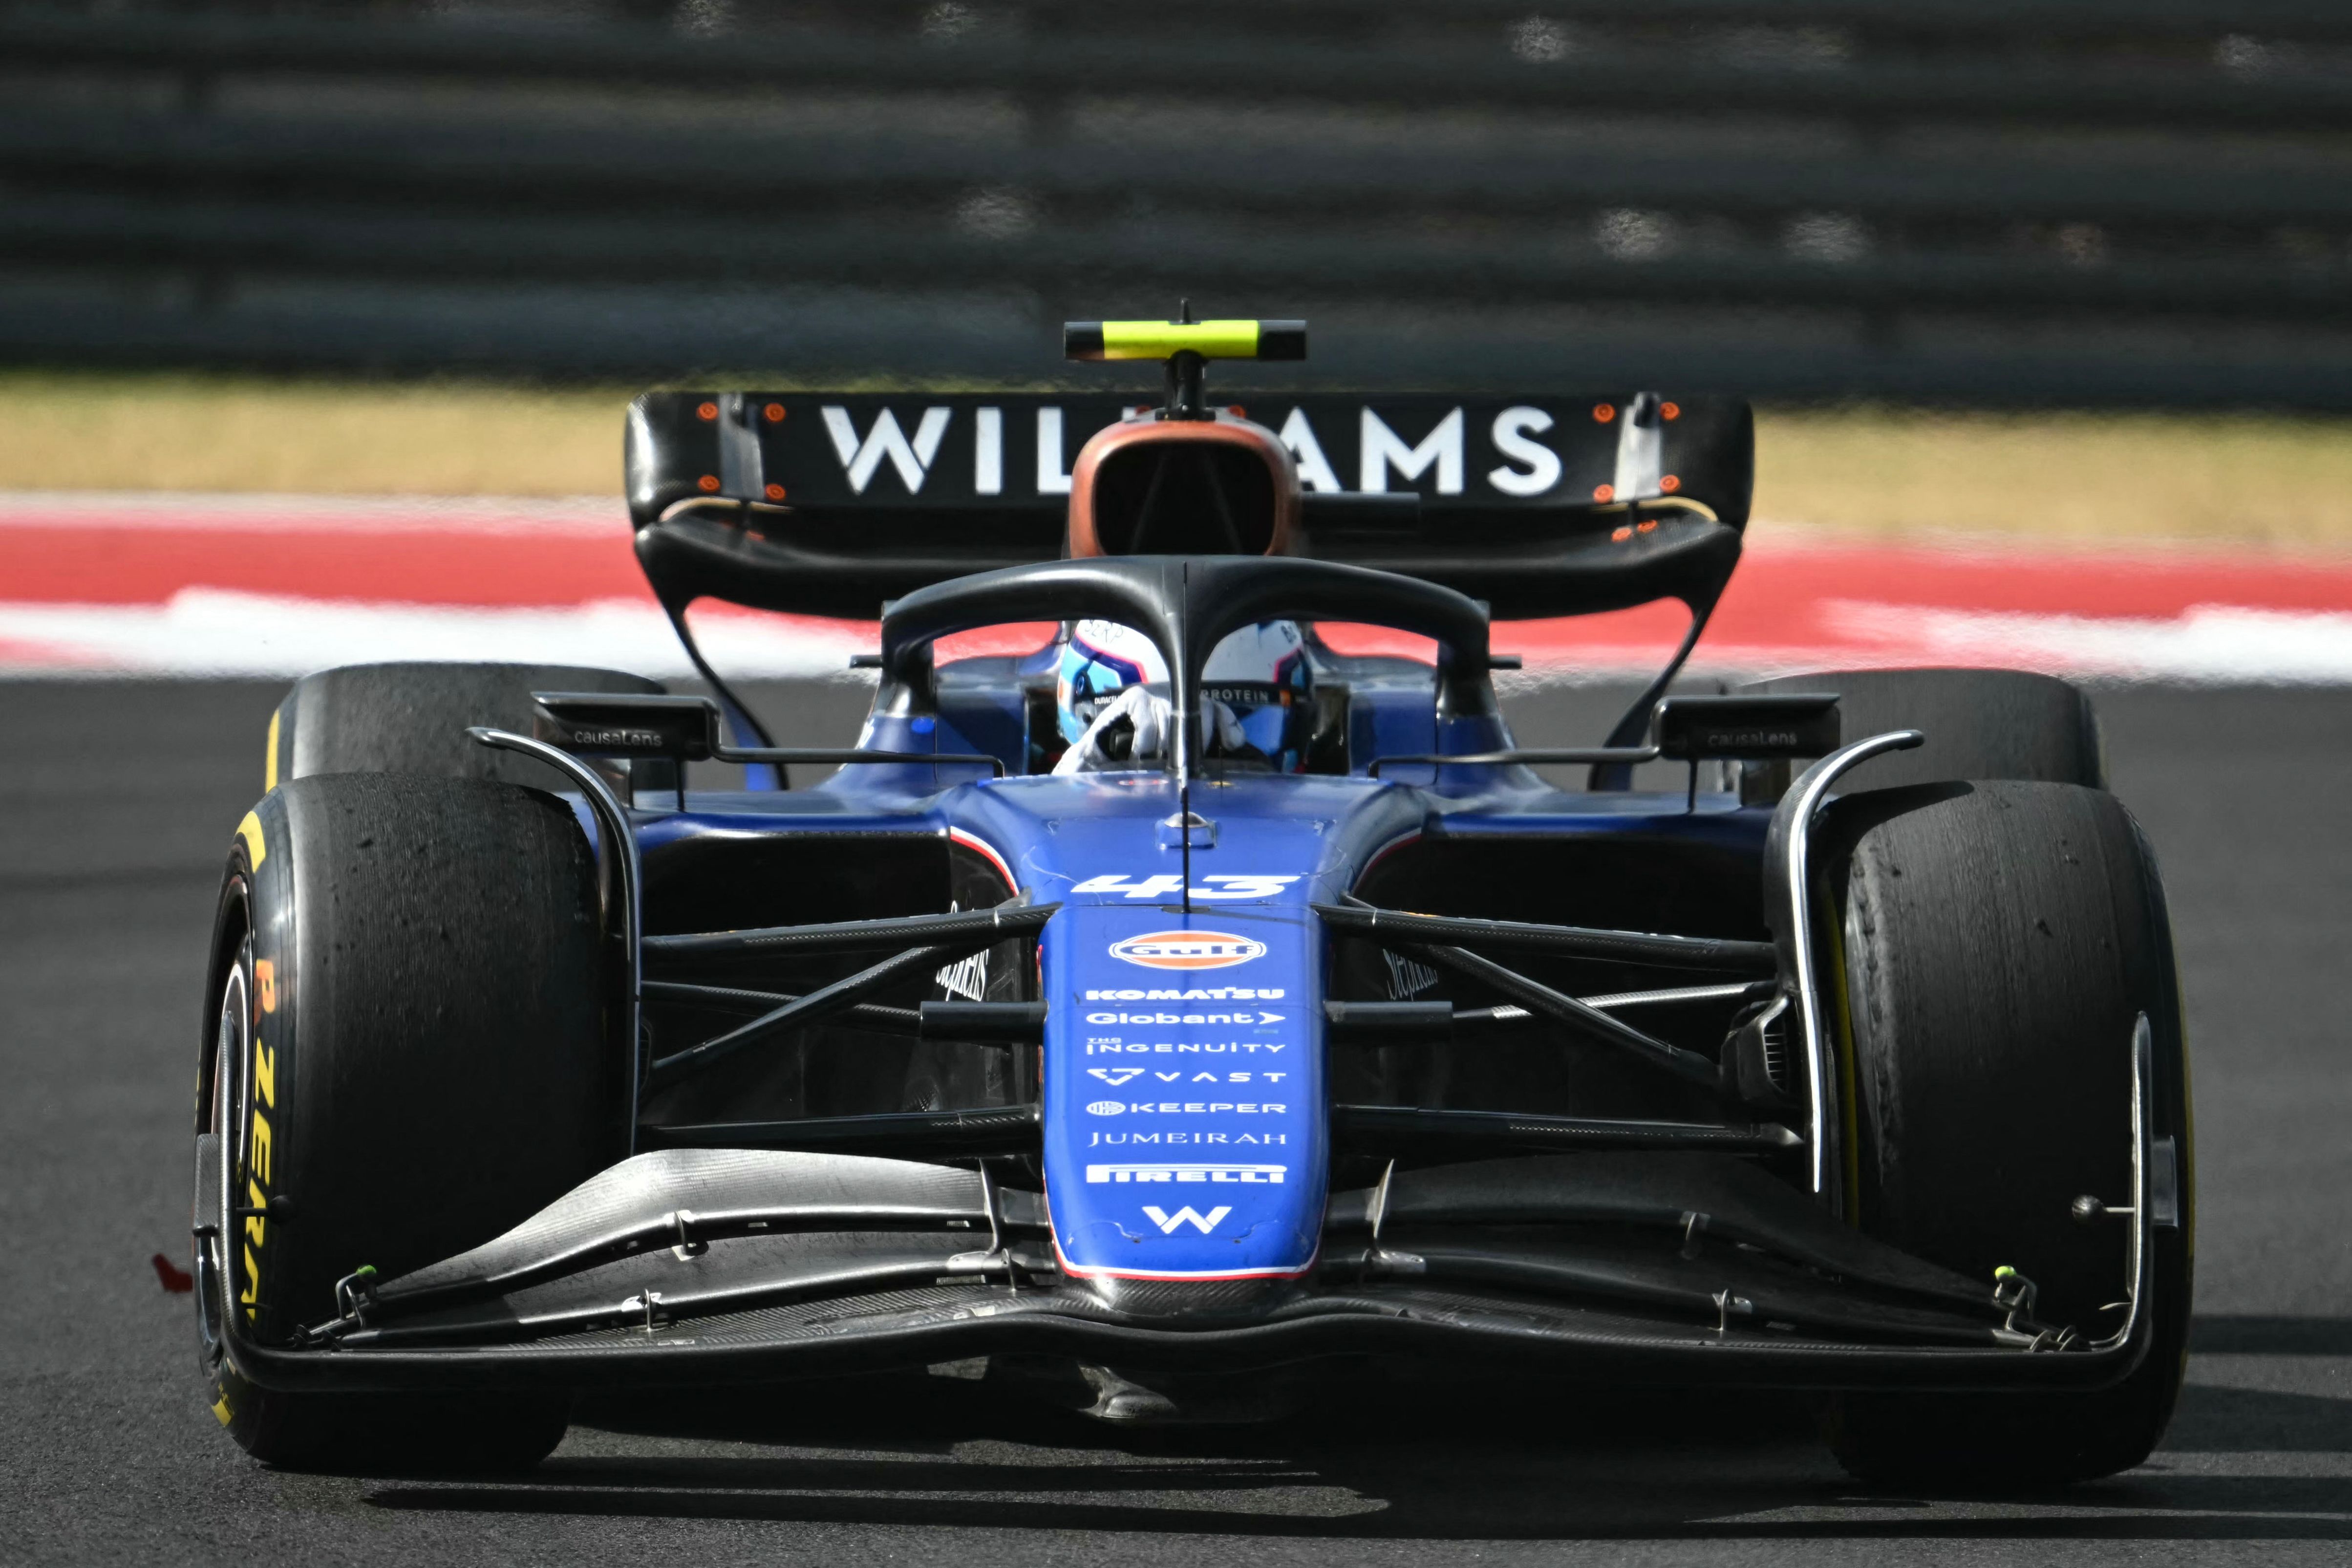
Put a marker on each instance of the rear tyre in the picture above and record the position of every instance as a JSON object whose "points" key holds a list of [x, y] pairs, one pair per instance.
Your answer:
{"points": [[1980, 724], [1997, 944], [412, 718], [405, 1056]]}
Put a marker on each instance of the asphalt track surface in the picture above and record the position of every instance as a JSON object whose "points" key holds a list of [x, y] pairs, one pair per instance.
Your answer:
{"points": [[118, 798]]}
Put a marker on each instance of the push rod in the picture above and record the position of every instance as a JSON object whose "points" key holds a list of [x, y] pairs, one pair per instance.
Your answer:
{"points": [[996, 1129], [1582, 941], [841, 936], [732, 999], [1385, 1124], [1406, 1023], [1590, 1021], [801, 1011], [990, 1023]]}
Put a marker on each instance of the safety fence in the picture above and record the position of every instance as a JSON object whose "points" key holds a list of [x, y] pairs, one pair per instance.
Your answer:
{"points": [[2074, 201]]}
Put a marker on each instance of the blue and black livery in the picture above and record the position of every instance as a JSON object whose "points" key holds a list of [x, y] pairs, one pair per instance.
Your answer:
{"points": [[1190, 1065]]}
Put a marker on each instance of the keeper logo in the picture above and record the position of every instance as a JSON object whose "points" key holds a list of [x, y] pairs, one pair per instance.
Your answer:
{"points": [[1186, 949]]}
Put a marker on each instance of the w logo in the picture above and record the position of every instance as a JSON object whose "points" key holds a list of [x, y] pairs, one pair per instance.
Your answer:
{"points": [[885, 439], [1169, 1222]]}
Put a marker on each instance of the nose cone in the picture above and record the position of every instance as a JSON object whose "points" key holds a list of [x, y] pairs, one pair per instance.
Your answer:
{"points": [[1185, 1141]]}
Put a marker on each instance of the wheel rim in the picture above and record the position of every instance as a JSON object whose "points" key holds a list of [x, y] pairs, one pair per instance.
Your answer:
{"points": [[232, 1045]]}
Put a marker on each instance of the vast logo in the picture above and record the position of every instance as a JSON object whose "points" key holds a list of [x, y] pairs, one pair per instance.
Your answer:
{"points": [[1167, 1222], [1116, 1076], [1187, 950]]}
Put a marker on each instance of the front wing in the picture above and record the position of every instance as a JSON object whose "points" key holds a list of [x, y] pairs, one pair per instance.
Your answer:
{"points": [[680, 1268]]}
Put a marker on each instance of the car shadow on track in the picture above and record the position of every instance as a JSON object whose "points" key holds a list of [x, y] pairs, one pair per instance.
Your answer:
{"points": [[2240, 1463]]}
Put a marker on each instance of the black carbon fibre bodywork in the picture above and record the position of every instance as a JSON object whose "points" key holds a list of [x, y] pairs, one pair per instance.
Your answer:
{"points": [[680, 1267]]}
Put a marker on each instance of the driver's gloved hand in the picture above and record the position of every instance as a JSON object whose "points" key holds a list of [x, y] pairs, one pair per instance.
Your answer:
{"points": [[1224, 728], [1132, 729], [1129, 728]]}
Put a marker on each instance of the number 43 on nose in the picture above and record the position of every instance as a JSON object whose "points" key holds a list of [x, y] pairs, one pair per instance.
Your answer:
{"points": [[1169, 885]]}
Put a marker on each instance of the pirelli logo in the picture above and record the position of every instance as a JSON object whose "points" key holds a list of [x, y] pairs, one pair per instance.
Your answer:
{"points": [[1267, 1175]]}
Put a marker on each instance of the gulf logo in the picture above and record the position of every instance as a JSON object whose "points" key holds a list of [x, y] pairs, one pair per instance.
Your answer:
{"points": [[1187, 950]]}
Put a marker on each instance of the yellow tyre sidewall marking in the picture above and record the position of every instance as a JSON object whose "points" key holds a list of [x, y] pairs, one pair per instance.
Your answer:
{"points": [[256, 851]]}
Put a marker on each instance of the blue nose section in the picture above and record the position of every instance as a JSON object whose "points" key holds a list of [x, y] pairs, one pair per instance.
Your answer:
{"points": [[1186, 1135]]}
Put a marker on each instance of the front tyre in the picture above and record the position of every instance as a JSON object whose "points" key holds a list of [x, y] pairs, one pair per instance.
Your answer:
{"points": [[412, 718], [404, 1055], [1995, 944]]}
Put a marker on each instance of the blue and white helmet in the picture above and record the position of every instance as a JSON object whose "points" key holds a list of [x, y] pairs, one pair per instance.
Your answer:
{"points": [[1101, 659], [1256, 697], [1255, 689]]}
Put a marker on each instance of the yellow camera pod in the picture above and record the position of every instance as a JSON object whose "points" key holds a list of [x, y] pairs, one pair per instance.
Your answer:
{"points": [[1165, 339]]}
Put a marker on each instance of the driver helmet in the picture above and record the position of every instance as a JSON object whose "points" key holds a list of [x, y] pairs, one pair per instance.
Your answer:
{"points": [[1255, 691], [1099, 660]]}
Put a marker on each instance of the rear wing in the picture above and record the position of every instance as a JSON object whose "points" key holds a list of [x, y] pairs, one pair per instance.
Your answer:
{"points": [[830, 503]]}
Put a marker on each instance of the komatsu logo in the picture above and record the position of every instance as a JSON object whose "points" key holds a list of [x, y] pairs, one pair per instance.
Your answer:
{"points": [[1187, 950]]}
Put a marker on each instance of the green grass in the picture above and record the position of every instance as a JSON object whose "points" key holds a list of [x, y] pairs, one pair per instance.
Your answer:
{"points": [[60, 431], [2268, 479]]}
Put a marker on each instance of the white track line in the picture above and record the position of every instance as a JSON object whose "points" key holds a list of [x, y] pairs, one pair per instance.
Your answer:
{"points": [[208, 632]]}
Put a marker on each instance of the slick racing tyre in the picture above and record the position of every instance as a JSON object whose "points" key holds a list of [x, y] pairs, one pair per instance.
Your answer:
{"points": [[405, 1055], [1994, 946], [412, 718], [1979, 724]]}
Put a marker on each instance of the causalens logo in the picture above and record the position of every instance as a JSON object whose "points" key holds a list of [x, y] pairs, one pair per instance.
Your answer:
{"points": [[1187, 950]]}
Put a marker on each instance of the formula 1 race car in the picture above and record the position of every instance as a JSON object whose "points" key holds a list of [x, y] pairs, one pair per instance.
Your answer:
{"points": [[1210, 999]]}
